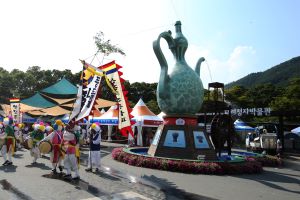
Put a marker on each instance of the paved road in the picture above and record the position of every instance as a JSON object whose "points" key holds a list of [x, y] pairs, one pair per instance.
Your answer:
{"points": [[120, 181]]}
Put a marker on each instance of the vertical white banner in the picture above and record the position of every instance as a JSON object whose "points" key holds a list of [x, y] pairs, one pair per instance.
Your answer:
{"points": [[89, 94], [15, 109], [114, 78]]}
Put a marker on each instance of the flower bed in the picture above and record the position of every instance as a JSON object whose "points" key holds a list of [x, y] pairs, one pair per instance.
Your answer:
{"points": [[249, 166], [267, 160]]}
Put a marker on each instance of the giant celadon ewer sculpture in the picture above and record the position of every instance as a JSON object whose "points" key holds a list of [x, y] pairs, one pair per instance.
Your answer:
{"points": [[179, 95], [181, 92]]}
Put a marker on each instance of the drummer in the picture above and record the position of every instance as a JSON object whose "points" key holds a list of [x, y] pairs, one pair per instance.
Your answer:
{"points": [[9, 146], [55, 137], [37, 135], [2, 138], [49, 130]]}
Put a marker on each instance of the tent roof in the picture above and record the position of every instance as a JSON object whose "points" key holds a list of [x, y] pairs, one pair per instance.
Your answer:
{"points": [[55, 111], [110, 117], [26, 108], [102, 103], [97, 113], [37, 101], [112, 113], [6, 109], [60, 101], [142, 114], [296, 130], [140, 109], [62, 87], [239, 125]]}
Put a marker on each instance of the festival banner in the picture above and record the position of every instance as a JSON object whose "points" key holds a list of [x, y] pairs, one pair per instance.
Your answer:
{"points": [[15, 109], [77, 104], [113, 74], [90, 86]]}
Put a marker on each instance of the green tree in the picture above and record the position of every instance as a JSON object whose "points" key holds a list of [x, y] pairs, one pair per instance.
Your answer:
{"points": [[237, 96], [146, 91], [105, 46], [289, 99], [261, 95], [5, 86]]}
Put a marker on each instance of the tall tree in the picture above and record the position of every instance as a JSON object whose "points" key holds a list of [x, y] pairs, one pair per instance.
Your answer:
{"points": [[105, 46], [289, 99]]}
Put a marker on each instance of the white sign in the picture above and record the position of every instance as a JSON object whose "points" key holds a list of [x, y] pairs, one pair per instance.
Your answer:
{"points": [[180, 121]]}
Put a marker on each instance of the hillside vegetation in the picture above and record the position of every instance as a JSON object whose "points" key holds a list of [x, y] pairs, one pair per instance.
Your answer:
{"points": [[278, 75]]}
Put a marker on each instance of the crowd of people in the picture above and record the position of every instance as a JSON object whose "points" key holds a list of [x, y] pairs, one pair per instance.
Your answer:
{"points": [[63, 140]]}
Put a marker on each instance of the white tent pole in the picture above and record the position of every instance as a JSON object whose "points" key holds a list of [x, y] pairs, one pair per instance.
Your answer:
{"points": [[109, 131], [130, 138], [139, 136]]}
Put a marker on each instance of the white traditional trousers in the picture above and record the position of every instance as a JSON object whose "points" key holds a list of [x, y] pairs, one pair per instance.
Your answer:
{"points": [[95, 156], [4, 153], [70, 163]]}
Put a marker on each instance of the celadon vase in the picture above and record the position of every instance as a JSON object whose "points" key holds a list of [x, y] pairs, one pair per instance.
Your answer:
{"points": [[179, 92]]}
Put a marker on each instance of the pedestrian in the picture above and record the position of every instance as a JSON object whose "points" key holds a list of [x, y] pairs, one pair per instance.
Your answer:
{"points": [[69, 148], [56, 138], [25, 131], [278, 147], [49, 130], [8, 148], [37, 135], [94, 153]]}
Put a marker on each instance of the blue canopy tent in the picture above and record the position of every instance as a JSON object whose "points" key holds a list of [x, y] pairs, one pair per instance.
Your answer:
{"points": [[296, 131], [28, 119], [239, 125], [242, 128]]}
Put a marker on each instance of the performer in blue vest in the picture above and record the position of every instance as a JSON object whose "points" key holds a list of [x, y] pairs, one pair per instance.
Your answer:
{"points": [[94, 153]]}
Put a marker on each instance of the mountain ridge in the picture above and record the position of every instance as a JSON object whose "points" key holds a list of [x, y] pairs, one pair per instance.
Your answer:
{"points": [[277, 75]]}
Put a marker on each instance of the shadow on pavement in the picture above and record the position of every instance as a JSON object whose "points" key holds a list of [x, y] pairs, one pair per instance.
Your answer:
{"points": [[18, 156], [170, 189], [9, 169], [79, 184], [270, 178], [38, 165], [19, 195], [107, 176]]}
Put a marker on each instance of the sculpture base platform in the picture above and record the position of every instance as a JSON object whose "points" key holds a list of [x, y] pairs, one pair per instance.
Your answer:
{"points": [[182, 138]]}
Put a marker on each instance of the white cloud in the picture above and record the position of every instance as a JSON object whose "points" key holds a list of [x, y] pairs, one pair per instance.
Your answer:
{"points": [[241, 62], [238, 64]]}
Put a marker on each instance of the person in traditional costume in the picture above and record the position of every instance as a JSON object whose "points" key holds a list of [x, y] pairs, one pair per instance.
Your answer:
{"points": [[22, 133], [37, 135], [18, 135], [69, 148], [8, 148], [49, 129], [2, 135], [78, 139], [94, 153], [25, 131], [56, 138]]}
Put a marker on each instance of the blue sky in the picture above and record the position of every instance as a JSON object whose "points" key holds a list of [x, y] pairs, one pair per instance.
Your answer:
{"points": [[236, 37]]}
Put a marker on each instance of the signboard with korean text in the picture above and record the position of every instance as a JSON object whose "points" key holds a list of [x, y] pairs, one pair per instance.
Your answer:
{"points": [[15, 109]]}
